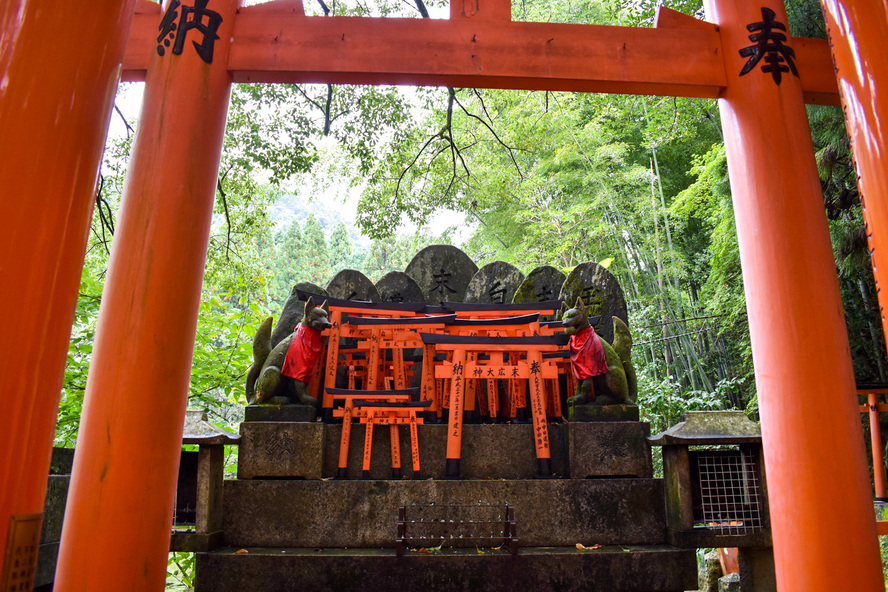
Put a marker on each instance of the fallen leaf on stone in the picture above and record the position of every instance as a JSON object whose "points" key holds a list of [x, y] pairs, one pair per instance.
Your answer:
{"points": [[239, 551], [424, 550], [583, 547]]}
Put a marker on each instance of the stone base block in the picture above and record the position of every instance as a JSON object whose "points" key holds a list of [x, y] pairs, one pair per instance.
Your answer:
{"points": [[608, 569], [279, 413], [609, 449], [286, 449], [336, 513], [603, 413], [489, 451]]}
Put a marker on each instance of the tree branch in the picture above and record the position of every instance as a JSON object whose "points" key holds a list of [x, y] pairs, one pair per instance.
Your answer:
{"points": [[327, 120], [227, 215], [421, 7], [494, 134], [105, 222], [129, 129]]}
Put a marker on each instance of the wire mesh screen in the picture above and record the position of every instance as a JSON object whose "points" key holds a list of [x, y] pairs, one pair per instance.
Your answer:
{"points": [[730, 492]]}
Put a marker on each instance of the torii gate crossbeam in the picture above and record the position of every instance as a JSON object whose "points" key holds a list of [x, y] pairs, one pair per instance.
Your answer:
{"points": [[117, 526], [682, 56]]}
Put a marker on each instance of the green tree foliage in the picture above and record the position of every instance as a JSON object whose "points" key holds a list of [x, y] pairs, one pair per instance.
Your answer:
{"points": [[340, 248], [316, 259], [385, 256], [287, 263]]}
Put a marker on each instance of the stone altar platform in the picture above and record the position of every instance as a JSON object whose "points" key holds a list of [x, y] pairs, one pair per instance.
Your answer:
{"points": [[598, 525]]}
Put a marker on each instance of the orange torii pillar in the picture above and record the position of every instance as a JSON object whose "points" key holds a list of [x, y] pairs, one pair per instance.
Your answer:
{"points": [[120, 504], [818, 485], [857, 32], [59, 67]]}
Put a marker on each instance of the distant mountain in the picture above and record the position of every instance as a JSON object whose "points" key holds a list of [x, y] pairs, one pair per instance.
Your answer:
{"points": [[290, 207]]}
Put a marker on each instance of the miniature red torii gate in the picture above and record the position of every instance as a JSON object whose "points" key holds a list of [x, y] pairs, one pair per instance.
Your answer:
{"points": [[59, 65]]}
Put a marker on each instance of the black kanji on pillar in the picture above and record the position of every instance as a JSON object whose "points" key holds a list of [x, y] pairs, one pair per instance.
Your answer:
{"points": [[768, 45], [175, 26]]}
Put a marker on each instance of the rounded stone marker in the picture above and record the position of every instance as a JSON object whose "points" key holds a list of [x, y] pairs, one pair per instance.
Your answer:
{"points": [[443, 272], [601, 293], [495, 283], [397, 286], [542, 284], [351, 284], [294, 310]]}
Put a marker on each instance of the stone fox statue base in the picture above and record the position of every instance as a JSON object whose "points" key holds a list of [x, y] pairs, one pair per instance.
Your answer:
{"points": [[604, 372], [285, 371]]}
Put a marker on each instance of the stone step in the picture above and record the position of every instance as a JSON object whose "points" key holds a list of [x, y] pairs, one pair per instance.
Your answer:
{"points": [[635, 568], [556, 512], [310, 450]]}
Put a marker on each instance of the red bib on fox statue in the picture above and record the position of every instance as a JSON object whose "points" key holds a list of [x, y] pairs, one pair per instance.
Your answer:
{"points": [[586, 354], [303, 353]]}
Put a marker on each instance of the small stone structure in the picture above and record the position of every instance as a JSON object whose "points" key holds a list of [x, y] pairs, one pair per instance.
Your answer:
{"points": [[443, 272], [602, 294], [495, 283], [715, 497], [542, 284], [397, 286], [350, 284]]}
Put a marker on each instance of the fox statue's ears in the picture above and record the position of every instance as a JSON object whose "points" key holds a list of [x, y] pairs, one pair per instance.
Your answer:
{"points": [[326, 307], [310, 304], [579, 305], [563, 310]]}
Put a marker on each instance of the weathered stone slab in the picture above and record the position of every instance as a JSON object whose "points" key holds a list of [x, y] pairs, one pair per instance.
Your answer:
{"points": [[542, 284], [47, 559], [54, 508], [489, 451], [351, 284], [270, 449], [443, 272], [62, 461], [601, 293], [583, 413], [757, 573], [53, 517], [397, 286], [608, 569], [495, 283], [340, 513], [293, 311], [609, 449], [279, 413]]}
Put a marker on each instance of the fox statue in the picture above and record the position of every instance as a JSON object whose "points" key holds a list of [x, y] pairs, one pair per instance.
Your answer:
{"points": [[604, 372], [282, 374]]}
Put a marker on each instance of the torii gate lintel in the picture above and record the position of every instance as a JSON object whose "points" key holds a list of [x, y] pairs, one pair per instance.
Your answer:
{"points": [[682, 56]]}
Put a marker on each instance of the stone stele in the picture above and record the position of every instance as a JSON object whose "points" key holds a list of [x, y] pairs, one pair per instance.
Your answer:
{"points": [[601, 293], [397, 286], [495, 283], [293, 311], [350, 284], [443, 272], [542, 284]]}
